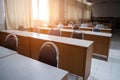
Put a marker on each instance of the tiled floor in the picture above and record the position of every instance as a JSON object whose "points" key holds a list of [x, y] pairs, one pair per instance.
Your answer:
{"points": [[107, 70]]}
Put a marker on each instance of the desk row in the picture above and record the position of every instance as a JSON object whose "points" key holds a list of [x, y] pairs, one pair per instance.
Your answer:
{"points": [[101, 40]]}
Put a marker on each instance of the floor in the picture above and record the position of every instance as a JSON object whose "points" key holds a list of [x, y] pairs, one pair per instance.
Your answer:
{"points": [[106, 70]]}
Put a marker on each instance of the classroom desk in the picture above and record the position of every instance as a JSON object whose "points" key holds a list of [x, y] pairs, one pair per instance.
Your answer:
{"points": [[18, 67], [106, 30], [74, 54], [101, 41], [4, 52]]}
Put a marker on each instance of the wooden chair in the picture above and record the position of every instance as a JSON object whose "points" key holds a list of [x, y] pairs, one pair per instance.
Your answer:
{"points": [[49, 54], [55, 32], [11, 42], [76, 27], [21, 27], [77, 34], [96, 30], [37, 30]]}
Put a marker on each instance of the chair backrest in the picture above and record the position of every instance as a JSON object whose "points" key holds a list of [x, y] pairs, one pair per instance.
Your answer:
{"points": [[77, 34], [96, 30], [84, 25], [21, 27], [37, 30], [55, 32], [11, 42], [76, 27], [60, 26], [49, 54]]}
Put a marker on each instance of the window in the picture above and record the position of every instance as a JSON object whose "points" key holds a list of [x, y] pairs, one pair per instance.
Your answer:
{"points": [[40, 10]]}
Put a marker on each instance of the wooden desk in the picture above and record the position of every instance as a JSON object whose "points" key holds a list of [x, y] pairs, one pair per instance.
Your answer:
{"points": [[5, 52], [101, 40], [106, 30], [91, 28], [18, 67]]}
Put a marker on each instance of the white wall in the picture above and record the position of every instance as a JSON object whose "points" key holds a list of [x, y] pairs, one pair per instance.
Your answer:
{"points": [[2, 15], [106, 10]]}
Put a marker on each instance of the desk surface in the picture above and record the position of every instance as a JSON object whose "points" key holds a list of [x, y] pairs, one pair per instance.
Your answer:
{"points": [[18, 67], [76, 42], [5, 52], [88, 27], [90, 32], [25, 33], [93, 27]]}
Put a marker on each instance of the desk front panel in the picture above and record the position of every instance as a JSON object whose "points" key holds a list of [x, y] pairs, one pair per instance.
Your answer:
{"points": [[66, 34], [86, 29], [101, 44], [2, 38], [24, 45], [44, 31], [106, 30]]}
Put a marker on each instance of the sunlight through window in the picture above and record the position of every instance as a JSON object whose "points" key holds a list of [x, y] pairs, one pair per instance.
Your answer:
{"points": [[40, 10], [43, 10], [35, 9]]}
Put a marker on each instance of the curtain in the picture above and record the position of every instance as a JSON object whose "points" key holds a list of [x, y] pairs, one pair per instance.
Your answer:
{"points": [[86, 13], [76, 11], [40, 10], [18, 12], [70, 7], [45, 12], [37, 12], [73, 10], [48, 12], [54, 11]]}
